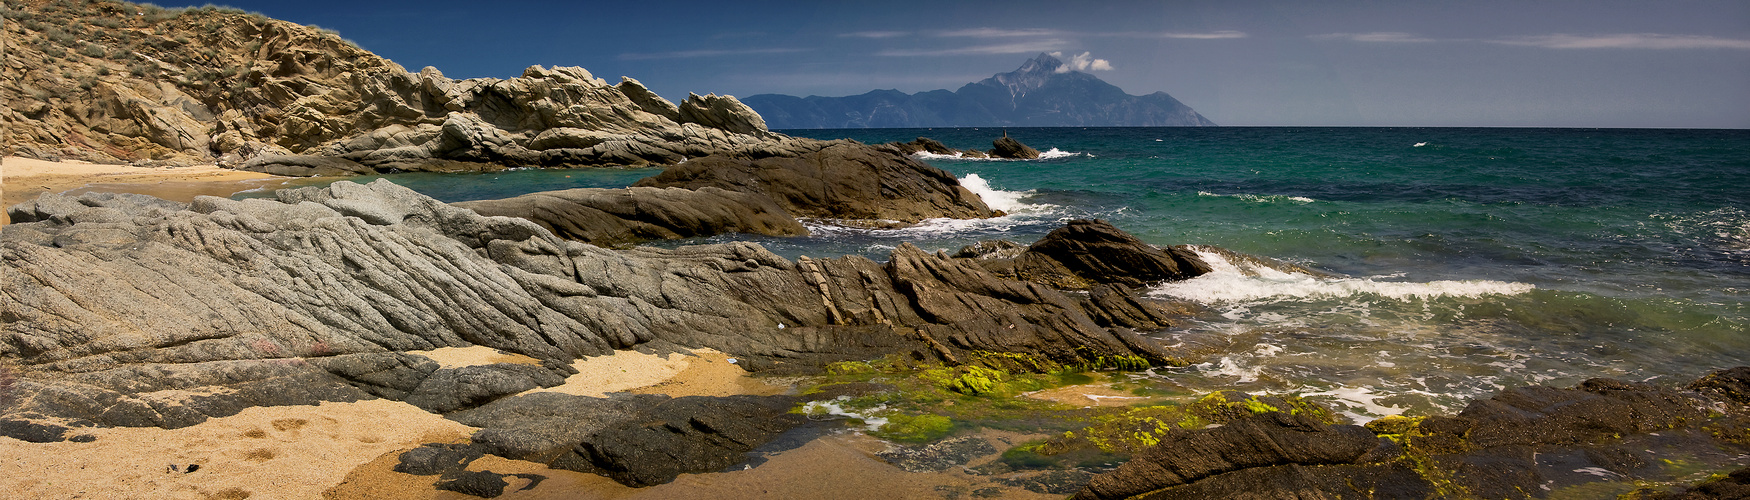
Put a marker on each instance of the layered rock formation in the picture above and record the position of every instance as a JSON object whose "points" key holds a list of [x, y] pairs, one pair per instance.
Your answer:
{"points": [[1527, 442], [128, 310], [114, 82], [1041, 93]]}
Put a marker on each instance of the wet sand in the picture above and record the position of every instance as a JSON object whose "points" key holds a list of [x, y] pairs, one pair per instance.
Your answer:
{"points": [[22, 179]]}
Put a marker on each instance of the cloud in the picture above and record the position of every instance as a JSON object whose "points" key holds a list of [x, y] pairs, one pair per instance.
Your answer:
{"points": [[875, 34], [1000, 33], [689, 54], [1375, 37], [1082, 62], [1027, 47], [1626, 41], [1213, 35]]}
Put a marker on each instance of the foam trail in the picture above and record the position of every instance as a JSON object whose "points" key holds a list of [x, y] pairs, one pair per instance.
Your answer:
{"points": [[1230, 282], [1260, 198], [1049, 154], [1007, 201]]}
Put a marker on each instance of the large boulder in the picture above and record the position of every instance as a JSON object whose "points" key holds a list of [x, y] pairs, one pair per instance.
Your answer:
{"points": [[839, 181], [1086, 252], [617, 217], [1007, 147]]}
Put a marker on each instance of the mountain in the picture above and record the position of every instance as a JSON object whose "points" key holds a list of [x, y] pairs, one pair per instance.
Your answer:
{"points": [[1042, 93]]}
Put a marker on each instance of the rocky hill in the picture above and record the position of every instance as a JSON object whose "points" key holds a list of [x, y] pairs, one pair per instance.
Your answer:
{"points": [[1037, 94], [115, 82]]}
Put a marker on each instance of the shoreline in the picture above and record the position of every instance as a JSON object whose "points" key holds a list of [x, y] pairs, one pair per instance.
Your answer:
{"points": [[23, 179]]}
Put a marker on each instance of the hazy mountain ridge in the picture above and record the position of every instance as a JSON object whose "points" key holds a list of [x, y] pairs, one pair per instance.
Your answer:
{"points": [[1036, 95]]}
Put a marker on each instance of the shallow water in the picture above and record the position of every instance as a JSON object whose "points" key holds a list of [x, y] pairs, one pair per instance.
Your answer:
{"points": [[1468, 259]]}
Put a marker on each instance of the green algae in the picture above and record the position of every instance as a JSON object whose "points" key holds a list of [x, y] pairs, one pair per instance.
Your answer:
{"points": [[914, 428]]}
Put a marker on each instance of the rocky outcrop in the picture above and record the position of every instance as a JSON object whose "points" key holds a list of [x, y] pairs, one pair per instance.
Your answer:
{"points": [[1086, 253], [619, 217], [128, 310], [1007, 147], [1521, 443], [842, 180], [122, 83]]}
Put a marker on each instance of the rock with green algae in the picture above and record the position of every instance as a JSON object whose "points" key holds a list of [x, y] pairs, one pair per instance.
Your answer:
{"points": [[1600, 437]]}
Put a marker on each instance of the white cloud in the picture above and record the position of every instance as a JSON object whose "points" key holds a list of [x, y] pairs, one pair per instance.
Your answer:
{"points": [[1626, 41], [875, 34], [688, 54], [1000, 33], [1375, 37], [1213, 35], [1082, 62], [1006, 48]]}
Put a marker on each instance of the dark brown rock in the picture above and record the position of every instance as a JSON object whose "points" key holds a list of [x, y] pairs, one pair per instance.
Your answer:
{"points": [[1009, 148], [1086, 252], [619, 217], [839, 181]]}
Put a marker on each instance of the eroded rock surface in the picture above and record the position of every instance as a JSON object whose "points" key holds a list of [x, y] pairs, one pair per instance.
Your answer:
{"points": [[127, 310], [1525, 442], [618, 217]]}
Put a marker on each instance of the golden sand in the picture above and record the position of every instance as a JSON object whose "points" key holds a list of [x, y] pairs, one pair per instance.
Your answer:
{"points": [[22, 179]]}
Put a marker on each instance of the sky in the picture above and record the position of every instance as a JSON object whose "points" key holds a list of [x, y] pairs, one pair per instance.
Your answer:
{"points": [[1559, 63]]}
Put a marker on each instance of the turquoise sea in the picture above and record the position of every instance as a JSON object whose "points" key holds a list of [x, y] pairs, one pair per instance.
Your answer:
{"points": [[1461, 260]]}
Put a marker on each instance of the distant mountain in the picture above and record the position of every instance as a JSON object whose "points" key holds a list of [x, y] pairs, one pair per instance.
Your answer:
{"points": [[1036, 95]]}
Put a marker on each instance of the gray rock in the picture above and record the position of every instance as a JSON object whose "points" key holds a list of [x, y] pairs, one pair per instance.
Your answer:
{"points": [[1007, 147], [938, 456], [305, 166], [618, 217]]}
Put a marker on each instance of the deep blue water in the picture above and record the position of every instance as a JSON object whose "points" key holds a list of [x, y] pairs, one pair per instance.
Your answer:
{"points": [[1472, 259]]}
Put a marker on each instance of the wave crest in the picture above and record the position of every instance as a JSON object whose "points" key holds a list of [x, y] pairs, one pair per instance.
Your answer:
{"points": [[1242, 282]]}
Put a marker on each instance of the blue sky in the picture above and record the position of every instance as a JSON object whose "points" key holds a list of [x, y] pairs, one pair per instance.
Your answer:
{"points": [[1348, 63]]}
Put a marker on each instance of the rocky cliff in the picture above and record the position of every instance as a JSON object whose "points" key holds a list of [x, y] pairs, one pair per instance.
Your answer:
{"points": [[115, 82], [1035, 95]]}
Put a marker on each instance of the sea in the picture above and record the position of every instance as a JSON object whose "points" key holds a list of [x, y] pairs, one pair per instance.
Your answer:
{"points": [[1450, 263]]}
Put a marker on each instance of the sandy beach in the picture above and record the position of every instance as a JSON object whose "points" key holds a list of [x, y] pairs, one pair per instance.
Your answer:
{"points": [[22, 179]]}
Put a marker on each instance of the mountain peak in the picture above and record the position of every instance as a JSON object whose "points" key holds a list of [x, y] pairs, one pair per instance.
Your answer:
{"points": [[1043, 63]]}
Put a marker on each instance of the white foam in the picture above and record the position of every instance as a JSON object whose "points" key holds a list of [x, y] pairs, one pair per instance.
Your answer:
{"points": [[1007, 201], [832, 408], [1420, 144], [1227, 367], [1266, 198], [1049, 154], [1229, 282], [1362, 397]]}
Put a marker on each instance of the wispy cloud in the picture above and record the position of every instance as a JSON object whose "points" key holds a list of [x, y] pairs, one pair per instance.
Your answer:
{"points": [[1082, 62], [689, 54], [1626, 41], [1000, 33], [875, 34], [1213, 35], [1032, 46], [1375, 37]]}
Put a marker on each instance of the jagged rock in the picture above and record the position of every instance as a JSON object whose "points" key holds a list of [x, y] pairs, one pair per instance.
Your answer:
{"points": [[1269, 439], [1727, 385], [433, 459], [924, 144], [617, 217], [305, 166], [721, 112], [682, 435], [129, 311], [938, 456], [1521, 443], [1085, 252], [1007, 147], [840, 181]]}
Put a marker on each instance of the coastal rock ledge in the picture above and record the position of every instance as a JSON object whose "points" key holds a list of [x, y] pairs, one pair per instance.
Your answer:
{"points": [[126, 310]]}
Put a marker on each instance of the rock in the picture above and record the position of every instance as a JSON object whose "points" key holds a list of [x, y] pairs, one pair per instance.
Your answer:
{"points": [[938, 456], [721, 112], [1269, 439], [840, 181], [1009, 148], [484, 484], [1056, 482], [925, 144], [305, 166], [1731, 385], [1084, 252], [1521, 443], [682, 435], [318, 294], [436, 458], [618, 217]]}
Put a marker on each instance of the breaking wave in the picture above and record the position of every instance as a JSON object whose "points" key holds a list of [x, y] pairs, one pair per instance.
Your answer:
{"points": [[1244, 282]]}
